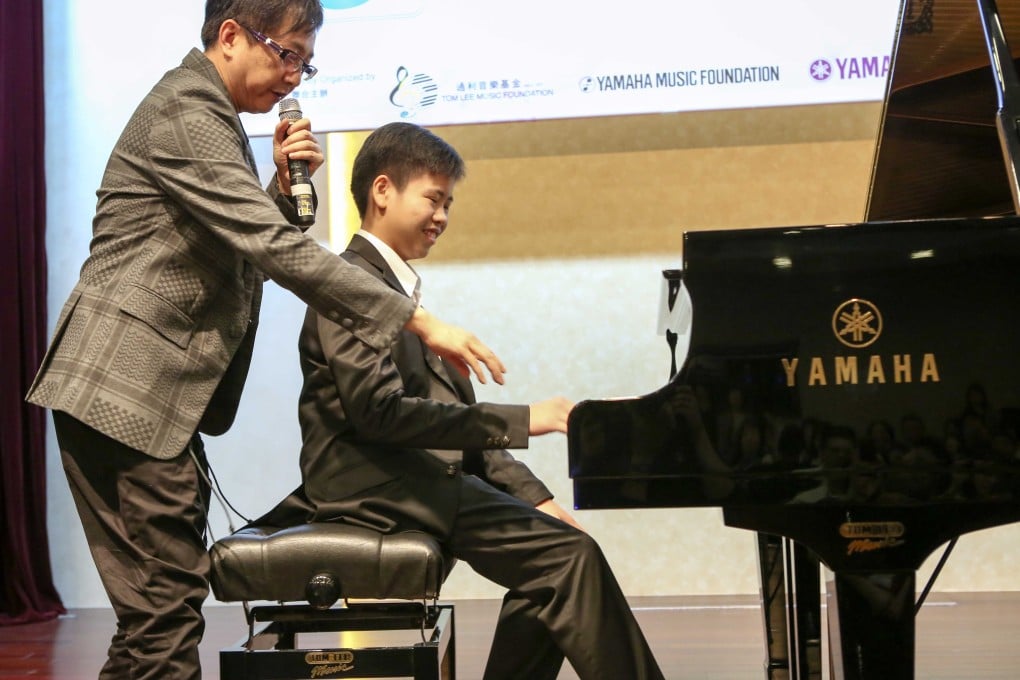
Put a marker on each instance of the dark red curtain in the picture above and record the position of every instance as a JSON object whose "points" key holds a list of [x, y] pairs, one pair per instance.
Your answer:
{"points": [[26, 582]]}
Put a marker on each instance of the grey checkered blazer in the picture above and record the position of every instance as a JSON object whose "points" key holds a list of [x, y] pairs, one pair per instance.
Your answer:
{"points": [[155, 339]]}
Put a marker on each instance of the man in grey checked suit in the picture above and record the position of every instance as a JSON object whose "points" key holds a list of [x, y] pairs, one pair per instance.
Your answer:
{"points": [[395, 441], [154, 342]]}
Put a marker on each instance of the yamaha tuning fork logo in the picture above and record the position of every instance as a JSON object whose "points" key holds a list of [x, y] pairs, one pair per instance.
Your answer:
{"points": [[857, 323], [821, 69]]}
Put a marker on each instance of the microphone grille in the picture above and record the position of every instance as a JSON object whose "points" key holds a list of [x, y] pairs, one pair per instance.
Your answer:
{"points": [[290, 109]]}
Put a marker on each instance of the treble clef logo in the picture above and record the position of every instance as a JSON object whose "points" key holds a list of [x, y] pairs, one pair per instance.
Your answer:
{"points": [[413, 92], [401, 77]]}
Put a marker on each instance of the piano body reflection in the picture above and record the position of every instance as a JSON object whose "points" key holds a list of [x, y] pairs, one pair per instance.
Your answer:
{"points": [[810, 344]]}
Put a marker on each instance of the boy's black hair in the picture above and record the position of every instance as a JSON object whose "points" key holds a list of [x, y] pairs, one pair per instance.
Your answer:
{"points": [[401, 151]]}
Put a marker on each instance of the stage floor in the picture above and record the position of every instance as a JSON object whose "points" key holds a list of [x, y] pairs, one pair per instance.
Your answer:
{"points": [[970, 636]]}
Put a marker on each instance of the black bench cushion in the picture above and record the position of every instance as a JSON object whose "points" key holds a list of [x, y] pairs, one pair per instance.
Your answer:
{"points": [[269, 563]]}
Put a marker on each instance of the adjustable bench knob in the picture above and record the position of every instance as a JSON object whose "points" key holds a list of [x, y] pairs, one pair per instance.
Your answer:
{"points": [[322, 590]]}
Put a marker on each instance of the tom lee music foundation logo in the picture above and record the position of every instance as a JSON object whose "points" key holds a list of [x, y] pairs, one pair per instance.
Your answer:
{"points": [[866, 537], [857, 324], [325, 664]]}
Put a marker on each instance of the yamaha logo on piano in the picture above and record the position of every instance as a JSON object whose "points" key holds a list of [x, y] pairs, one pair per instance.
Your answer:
{"points": [[858, 324]]}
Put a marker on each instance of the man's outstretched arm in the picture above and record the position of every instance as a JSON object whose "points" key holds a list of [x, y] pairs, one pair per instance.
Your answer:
{"points": [[459, 347]]}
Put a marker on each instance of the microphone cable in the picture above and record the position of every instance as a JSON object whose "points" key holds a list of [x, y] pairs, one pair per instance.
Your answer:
{"points": [[217, 492]]}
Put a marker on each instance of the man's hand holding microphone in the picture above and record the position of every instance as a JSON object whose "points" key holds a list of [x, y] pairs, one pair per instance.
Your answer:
{"points": [[297, 155]]}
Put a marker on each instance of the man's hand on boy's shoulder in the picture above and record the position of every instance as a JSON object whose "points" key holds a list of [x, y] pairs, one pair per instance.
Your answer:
{"points": [[460, 348]]}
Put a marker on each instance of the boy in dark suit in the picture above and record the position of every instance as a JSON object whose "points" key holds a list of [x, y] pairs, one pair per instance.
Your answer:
{"points": [[395, 441]]}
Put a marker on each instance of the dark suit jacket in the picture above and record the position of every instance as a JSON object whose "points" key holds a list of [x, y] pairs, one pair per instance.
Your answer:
{"points": [[155, 340], [369, 420]]}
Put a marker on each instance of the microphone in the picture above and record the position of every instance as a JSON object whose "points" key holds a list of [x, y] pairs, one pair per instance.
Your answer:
{"points": [[300, 180]]}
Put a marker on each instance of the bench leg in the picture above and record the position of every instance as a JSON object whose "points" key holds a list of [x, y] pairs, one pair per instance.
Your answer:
{"points": [[269, 651]]}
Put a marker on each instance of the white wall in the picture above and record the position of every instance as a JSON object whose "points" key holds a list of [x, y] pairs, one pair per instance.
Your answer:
{"points": [[582, 328]]}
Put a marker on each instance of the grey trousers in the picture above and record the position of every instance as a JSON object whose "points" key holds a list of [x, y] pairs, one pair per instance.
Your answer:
{"points": [[144, 520]]}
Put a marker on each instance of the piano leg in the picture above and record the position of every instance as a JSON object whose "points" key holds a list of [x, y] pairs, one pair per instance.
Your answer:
{"points": [[807, 608], [884, 646], [791, 609], [780, 664]]}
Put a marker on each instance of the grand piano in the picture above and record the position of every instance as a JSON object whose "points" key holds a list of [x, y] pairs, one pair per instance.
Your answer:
{"points": [[832, 386]]}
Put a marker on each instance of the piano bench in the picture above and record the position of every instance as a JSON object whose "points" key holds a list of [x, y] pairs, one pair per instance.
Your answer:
{"points": [[307, 568]]}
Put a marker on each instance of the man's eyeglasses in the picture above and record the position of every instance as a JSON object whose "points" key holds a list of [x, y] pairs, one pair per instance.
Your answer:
{"points": [[291, 59]]}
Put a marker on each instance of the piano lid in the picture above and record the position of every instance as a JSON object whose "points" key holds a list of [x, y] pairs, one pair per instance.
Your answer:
{"points": [[939, 153]]}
